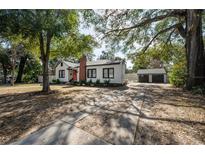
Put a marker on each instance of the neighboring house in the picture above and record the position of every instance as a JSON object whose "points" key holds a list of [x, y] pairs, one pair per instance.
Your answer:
{"points": [[112, 70], [156, 75]]}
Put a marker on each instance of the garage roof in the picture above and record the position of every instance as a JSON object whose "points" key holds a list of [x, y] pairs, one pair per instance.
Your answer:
{"points": [[152, 71]]}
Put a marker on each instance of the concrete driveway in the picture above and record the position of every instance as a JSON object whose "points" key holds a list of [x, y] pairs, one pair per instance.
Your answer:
{"points": [[135, 114]]}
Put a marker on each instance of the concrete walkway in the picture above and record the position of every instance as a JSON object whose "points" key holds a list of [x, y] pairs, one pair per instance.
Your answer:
{"points": [[61, 132]]}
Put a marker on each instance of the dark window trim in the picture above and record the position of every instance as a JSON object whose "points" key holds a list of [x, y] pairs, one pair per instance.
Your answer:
{"points": [[59, 75], [61, 64], [109, 73], [92, 75]]}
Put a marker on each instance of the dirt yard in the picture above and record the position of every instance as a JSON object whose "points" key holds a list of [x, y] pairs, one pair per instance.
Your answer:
{"points": [[133, 114]]}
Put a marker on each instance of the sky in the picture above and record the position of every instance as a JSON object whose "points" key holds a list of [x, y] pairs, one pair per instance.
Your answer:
{"points": [[98, 51]]}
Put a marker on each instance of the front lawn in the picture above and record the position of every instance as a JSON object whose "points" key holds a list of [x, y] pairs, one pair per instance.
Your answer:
{"points": [[133, 114]]}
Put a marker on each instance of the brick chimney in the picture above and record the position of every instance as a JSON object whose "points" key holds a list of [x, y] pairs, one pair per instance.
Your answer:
{"points": [[82, 75]]}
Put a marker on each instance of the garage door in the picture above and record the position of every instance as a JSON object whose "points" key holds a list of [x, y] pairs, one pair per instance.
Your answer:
{"points": [[143, 78], [158, 78]]}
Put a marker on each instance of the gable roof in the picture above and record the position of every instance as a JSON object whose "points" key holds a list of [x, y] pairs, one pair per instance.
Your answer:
{"points": [[152, 71], [102, 62], [92, 63], [71, 64]]}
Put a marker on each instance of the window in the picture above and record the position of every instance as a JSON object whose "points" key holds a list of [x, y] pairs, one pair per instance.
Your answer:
{"points": [[61, 64], [108, 73], [61, 73], [91, 73]]}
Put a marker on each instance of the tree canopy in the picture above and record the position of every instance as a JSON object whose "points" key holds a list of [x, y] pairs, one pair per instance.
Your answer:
{"points": [[54, 31]]}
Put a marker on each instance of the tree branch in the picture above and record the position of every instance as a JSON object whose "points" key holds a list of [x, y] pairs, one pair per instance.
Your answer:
{"points": [[155, 36], [169, 37], [162, 31], [174, 13], [181, 30]]}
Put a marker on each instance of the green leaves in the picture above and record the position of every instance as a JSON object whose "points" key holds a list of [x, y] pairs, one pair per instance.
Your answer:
{"points": [[72, 46]]}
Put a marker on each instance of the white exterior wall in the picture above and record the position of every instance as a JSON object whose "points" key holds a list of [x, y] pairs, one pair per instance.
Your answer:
{"points": [[119, 71], [165, 78], [78, 73], [64, 67], [123, 71], [150, 78]]}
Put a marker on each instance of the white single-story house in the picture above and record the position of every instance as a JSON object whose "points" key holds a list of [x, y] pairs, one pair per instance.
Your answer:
{"points": [[112, 70], [156, 75]]}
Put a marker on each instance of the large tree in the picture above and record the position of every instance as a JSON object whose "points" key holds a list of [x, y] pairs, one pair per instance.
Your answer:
{"points": [[137, 30], [56, 32], [43, 25]]}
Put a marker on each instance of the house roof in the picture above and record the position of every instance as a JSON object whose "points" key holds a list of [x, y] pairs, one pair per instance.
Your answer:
{"points": [[103, 62], [152, 71], [71, 64], [92, 63]]}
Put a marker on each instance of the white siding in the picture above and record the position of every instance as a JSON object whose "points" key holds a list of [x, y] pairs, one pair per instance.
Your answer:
{"points": [[119, 71], [78, 73], [64, 67], [123, 71]]}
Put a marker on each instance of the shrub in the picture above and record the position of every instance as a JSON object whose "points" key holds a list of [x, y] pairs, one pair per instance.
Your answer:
{"points": [[97, 81], [90, 81], [106, 82], [54, 80], [82, 82], [58, 81], [177, 75], [75, 82]]}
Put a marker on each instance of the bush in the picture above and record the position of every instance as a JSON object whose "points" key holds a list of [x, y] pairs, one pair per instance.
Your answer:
{"points": [[90, 81], [31, 71], [54, 80], [58, 81], [82, 82], [27, 78], [106, 82], [97, 81], [177, 75]]}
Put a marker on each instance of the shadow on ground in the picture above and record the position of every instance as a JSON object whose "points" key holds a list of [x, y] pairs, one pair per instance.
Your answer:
{"points": [[136, 114]]}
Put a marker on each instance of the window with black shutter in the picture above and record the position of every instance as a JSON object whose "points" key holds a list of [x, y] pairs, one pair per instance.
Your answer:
{"points": [[108, 73], [61, 73], [91, 73]]}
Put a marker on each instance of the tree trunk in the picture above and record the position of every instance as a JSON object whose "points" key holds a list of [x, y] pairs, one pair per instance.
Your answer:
{"points": [[5, 73], [45, 58], [21, 69], [195, 49], [46, 86], [13, 61]]}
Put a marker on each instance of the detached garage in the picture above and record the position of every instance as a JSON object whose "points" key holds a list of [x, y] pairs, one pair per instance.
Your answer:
{"points": [[156, 75]]}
